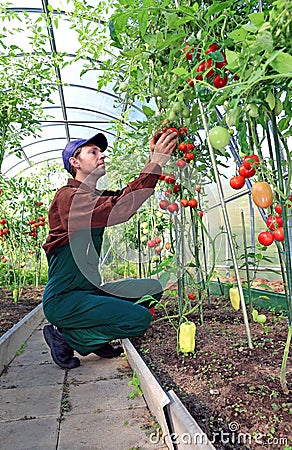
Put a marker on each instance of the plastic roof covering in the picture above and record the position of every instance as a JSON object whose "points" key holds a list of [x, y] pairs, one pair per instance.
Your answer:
{"points": [[78, 111]]}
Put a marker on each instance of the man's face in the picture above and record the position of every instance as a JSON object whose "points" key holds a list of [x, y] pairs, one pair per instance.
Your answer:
{"points": [[91, 160]]}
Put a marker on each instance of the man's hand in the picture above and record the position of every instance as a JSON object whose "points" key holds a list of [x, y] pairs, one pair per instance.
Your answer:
{"points": [[163, 148]]}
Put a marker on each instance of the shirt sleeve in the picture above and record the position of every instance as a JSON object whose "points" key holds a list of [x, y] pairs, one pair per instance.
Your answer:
{"points": [[79, 208]]}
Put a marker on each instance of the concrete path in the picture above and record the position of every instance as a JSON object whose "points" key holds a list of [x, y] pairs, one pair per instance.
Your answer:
{"points": [[43, 407]]}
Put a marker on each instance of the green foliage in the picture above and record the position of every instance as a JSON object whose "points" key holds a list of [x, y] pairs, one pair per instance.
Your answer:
{"points": [[27, 79]]}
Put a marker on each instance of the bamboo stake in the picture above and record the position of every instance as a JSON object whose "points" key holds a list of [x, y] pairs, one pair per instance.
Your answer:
{"points": [[227, 225]]}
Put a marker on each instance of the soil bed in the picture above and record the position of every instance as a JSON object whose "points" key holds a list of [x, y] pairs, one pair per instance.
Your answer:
{"points": [[233, 392], [11, 313]]}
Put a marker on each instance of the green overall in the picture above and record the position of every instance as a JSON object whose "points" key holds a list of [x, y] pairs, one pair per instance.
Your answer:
{"points": [[91, 314]]}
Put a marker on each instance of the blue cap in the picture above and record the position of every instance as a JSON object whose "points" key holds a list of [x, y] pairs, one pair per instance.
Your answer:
{"points": [[99, 140]]}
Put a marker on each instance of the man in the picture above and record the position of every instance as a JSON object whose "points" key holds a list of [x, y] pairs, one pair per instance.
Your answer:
{"points": [[84, 314]]}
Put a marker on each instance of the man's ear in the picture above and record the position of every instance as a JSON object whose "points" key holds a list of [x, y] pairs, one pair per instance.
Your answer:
{"points": [[74, 162]]}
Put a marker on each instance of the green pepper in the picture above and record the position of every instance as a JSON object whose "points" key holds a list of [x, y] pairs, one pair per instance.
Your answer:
{"points": [[187, 337]]}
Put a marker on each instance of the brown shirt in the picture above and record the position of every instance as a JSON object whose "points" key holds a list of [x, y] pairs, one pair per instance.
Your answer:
{"points": [[77, 207]]}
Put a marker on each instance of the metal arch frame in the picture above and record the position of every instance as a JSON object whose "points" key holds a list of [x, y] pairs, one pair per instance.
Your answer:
{"points": [[65, 122]]}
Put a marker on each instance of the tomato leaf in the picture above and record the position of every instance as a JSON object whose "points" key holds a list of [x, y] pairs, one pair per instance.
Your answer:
{"points": [[265, 41], [232, 59], [218, 7], [238, 35], [257, 18], [180, 71], [282, 63], [244, 147], [143, 21], [149, 112]]}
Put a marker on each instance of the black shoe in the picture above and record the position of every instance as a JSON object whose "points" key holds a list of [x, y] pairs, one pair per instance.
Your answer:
{"points": [[61, 352], [109, 351]]}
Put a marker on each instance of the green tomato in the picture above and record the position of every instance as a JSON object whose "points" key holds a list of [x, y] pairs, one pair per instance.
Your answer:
{"points": [[144, 225], [123, 86], [145, 230], [172, 116], [261, 319], [186, 112], [159, 214], [219, 137], [176, 107], [252, 110], [158, 92], [155, 258], [144, 238]]}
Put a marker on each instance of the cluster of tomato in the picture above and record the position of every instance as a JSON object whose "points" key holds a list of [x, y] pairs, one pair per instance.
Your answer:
{"points": [[34, 224], [3, 230], [215, 69], [155, 244], [275, 225], [246, 170]]}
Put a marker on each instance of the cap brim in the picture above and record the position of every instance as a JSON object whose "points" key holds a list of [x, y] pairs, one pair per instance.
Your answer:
{"points": [[100, 140]]}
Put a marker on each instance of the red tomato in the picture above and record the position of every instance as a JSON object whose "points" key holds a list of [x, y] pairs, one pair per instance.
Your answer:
{"points": [[182, 147], [174, 130], [151, 243], [190, 146], [157, 240], [220, 82], [193, 203], [278, 209], [176, 188], [173, 207], [273, 222], [152, 310], [5, 230], [167, 245], [167, 193], [191, 82], [237, 182], [181, 163], [158, 249], [201, 214], [170, 178], [189, 156], [246, 173], [265, 238], [212, 48], [162, 176], [262, 194], [204, 66], [163, 204], [184, 202], [251, 161], [191, 296], [198, 188], [183, 131], [279, 234]]}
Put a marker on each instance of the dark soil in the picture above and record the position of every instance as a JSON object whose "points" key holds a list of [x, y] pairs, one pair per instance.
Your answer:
{"points": [[10, 312], [233, 392]]}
